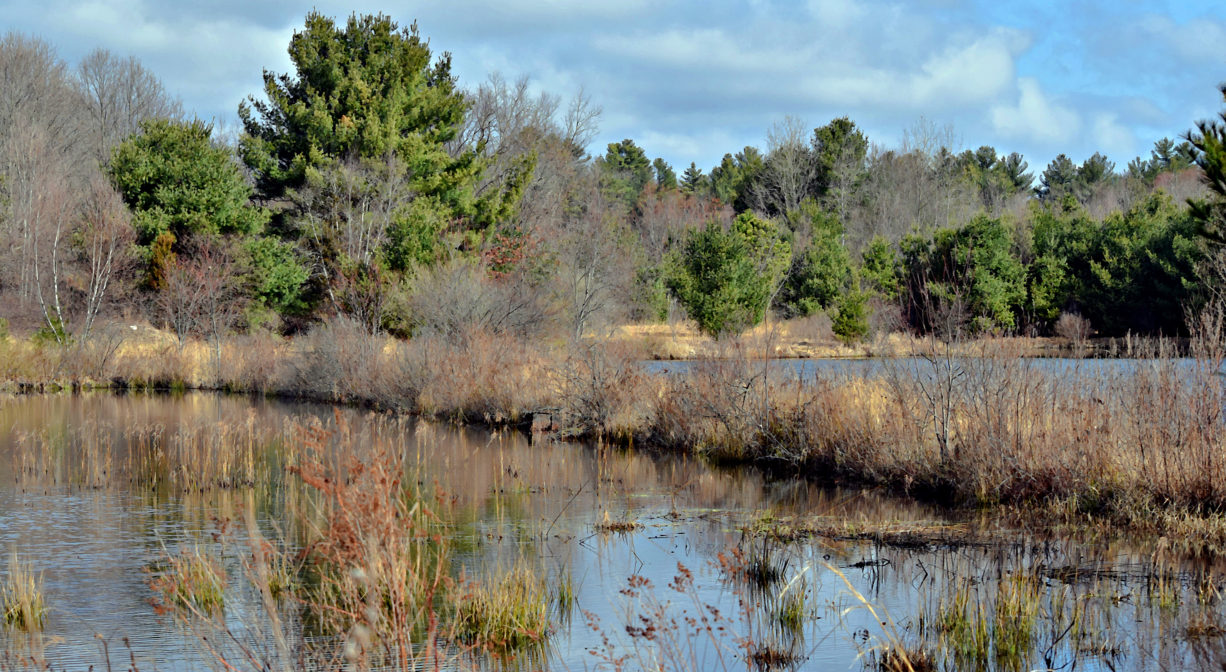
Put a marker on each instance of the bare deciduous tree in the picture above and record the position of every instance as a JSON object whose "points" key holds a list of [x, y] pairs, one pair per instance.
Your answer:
{"points": [[790, 170], [595, 274], [201, 296], [668, 214], [105, 239], [117, 94], [511, 124], [39, 192], [35, 88]]}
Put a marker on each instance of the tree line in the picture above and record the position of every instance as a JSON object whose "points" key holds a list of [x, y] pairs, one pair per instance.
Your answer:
{"points": [[368, 184]]}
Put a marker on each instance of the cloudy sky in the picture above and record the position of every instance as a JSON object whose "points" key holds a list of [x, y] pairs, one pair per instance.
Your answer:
{"points": [[689, 80]]}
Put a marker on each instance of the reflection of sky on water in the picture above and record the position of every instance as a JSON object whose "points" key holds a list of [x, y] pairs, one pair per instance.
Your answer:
{"points": [[538, 503]]}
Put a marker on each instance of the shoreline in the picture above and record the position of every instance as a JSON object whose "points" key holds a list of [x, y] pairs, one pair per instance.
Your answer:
{"points": [[1055, 452]]}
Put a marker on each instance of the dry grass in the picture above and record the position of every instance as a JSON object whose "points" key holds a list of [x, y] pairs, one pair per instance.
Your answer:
{"points": [[192, 581], [801, 337], [196, 457], [505, 613], [971, 423], [21, 595]]}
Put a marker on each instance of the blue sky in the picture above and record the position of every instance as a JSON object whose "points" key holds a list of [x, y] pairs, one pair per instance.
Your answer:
{"points": [[691, 80]]}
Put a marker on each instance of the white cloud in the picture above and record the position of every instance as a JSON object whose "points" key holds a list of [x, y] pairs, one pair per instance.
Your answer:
{"points": [[1197, 40], [697, 79], [967, 74], [1035, 117], [1112, 137]]}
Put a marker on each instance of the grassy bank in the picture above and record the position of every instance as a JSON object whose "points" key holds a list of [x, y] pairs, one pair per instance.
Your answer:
{"points": [[976, 424]]}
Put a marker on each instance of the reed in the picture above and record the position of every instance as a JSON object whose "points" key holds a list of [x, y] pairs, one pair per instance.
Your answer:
{"points": [[506, 612], [21, 594], [191, 581], [970, 424]]}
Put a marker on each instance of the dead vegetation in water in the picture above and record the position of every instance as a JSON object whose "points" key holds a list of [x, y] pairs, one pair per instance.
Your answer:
{"points": [[607, 525], [975, 424], [919, 535], [370, 569]]}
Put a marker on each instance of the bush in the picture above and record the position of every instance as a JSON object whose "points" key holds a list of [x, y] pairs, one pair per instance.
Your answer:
{"points": [[851, 320], [458, 298], [1074, 327], [725, 278]]}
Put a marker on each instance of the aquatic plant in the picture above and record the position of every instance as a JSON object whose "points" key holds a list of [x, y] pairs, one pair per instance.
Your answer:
{"points": [[1013, 625], [609, 526], [505, 613], [191, 580], [21, 595], [790, 607]]}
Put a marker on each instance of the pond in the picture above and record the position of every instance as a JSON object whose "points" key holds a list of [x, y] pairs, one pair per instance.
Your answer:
{"points": [[668, 561]]}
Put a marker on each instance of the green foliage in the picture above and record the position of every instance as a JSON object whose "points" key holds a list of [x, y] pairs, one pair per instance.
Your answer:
{"points": [[850, 323], [368, 90], [725, 278], [54, 333], [1063, 179], [879, 268], [970, 274], [624, 173], [996, 177], [413, 238], [693, 181], [177, 181], [839, 149], [1209, 139], [666, 177], [1058, 179], [732, 180], [651, 291], [979, 257], [768, 249], [275, 275], [1134, 271], [821, 272]]}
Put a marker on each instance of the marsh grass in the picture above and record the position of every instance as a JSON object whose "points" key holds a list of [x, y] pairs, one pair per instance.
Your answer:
{"points": [[791, 605], [1002, 632], [507, 612], [963, 423], [191, 581], [21, 595], [607, 525], [198, 456], [900, 658]]}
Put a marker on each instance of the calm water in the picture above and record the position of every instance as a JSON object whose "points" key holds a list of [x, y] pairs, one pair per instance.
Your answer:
{"points": [[541, 501]]}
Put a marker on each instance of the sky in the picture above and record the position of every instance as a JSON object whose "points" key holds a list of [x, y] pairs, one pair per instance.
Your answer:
{"points": [[691, 80]]}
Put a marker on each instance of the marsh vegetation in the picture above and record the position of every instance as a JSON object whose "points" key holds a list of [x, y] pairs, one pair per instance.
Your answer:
{"points": [[374, 540]]}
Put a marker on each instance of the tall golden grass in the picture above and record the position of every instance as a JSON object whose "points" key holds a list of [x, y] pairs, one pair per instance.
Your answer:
{"points": [[973, 423]]}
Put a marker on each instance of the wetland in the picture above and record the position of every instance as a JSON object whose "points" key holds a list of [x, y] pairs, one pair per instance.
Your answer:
{"points": [[332, 538]]}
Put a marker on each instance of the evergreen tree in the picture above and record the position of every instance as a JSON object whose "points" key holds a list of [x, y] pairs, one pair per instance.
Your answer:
{"points": [[177, 181], [732, 180], [1209, 141], [1058, 180], [367, 91], [850, 321], [879, 268], [725, 279], [839, 149], [821, 272], [692, 180], [625, 171], [666, 177]]}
